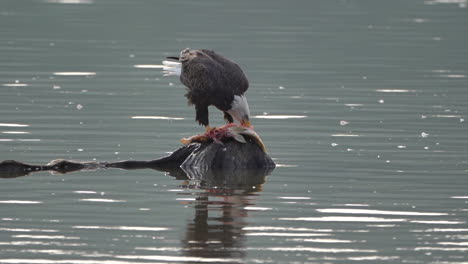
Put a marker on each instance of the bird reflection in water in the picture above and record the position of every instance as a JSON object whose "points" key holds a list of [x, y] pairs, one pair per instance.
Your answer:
{"points": [[216, 230]]}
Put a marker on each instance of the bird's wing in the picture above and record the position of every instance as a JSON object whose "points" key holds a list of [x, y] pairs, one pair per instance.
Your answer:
{"points": [[238, 81], [198, 77], [231, 73]]}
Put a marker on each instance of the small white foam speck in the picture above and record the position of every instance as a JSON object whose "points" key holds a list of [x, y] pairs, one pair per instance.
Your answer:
{"points": [[343, 123]]}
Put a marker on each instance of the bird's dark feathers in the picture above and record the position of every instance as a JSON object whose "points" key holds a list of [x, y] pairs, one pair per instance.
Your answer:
{"points": [[212, 79]]}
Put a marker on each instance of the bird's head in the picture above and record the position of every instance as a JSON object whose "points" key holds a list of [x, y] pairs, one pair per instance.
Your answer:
{"points": [[187, 55], [240, 110]]}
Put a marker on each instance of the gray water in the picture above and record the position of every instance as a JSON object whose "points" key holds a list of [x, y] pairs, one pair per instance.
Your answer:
{"points": [[361, 103]]}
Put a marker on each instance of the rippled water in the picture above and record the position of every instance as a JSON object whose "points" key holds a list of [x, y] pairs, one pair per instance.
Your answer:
{"points": [[362, 104]]}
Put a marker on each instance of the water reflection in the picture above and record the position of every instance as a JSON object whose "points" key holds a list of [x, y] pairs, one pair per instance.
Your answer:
{"points": [[216, 229], [221, 213], [279, 116], [15, 84], [460, 3], [216, 232], [12, 125]]}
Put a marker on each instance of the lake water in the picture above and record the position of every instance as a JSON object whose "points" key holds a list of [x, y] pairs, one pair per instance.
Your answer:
{"points": [[362, 104]]}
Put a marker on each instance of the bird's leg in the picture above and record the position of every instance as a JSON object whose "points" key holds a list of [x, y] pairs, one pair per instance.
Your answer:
{"points": [[201, 115], [202, 118]]}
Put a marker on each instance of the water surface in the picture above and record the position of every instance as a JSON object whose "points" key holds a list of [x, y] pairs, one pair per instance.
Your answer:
{"points": [[362, 104]]}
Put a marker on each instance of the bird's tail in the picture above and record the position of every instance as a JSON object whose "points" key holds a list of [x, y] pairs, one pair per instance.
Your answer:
{"points": [[172, 68]]}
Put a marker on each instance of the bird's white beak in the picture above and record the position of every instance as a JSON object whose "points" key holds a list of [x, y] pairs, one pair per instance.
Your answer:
{"points": [[240, 110]]}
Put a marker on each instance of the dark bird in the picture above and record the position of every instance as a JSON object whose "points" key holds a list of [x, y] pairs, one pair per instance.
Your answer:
{"points": [[212, 79]]}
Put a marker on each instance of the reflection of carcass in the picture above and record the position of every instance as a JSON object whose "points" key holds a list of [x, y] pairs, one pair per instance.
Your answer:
{"points": [[216, 230], [229, 186]]}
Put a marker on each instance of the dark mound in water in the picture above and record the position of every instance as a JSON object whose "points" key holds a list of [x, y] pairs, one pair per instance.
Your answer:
{"points": [[194, 161]]}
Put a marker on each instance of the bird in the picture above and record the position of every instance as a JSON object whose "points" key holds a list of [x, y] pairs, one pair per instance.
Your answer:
{"points": [[211, 80]]}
